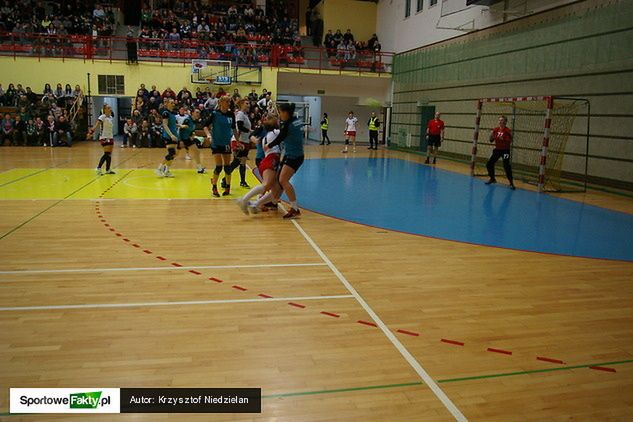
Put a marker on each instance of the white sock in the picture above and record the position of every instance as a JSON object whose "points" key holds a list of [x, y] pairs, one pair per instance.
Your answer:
{"points": [[293, 204], [264, 199], [259, 189]]}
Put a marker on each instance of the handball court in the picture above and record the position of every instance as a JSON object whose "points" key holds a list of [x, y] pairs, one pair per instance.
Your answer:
{"points": [[128, 280]]}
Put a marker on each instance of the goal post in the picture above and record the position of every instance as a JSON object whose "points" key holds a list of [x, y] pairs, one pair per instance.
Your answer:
{"points": [[541, 127]]}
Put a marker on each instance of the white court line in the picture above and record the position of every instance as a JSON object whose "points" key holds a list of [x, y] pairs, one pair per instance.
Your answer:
{"points": [[181, 303], [457, 414], [171, 268]]}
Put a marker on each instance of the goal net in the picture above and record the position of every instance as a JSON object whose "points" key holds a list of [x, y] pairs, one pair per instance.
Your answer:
{"points": [[540, 127]]}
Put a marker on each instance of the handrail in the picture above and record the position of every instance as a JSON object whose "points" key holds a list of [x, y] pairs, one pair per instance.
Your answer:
{"points": [[76, 105], [88, 47]]}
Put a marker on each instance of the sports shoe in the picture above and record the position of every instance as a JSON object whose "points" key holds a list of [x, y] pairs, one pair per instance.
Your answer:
{"points": [[243, 205], [244, 185], [344, 151], [328, 142], [253, 208], [187, 156], [168, 174], [214, 191], [202, 170], [434, 160], [321, 143], [293, 213], [110, 172], [226, 192], [491, 181], [99, 171], [427, 161], [223, 183], [133, 146], [159, 172], [512, 186]]}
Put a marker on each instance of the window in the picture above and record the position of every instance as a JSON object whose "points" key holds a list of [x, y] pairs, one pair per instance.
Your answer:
{"points": [[407, 8], [432, 3], [420, 6], [111, 84]]}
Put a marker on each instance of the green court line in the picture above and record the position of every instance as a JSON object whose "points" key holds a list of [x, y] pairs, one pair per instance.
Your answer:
{"points": [[61, 200], [416, 383], [46, 209], [535, 371], [32, 174], [341, 390]]}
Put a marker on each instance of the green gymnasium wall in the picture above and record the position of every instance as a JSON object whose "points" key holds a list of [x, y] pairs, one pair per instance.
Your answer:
{"points": [[583, 50]]}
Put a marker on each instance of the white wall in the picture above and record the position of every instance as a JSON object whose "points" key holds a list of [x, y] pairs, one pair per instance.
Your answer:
{"points": [[339, 85], [397, 33], [337, 109]]}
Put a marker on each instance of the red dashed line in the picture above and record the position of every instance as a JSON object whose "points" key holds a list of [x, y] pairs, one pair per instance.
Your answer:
{"points": [[217, 280], [371, 324], [126, 240], [112, 230], [602, 368], [296, 305], [147, 251], [505, 352], [175, 264], [330, 314], [544, 359], [239, 288], [457, 343], [118, 234], [136, 245], [195, 272], [264, 296], [410, 333], [107, 225], [103, 221], [162, 258]]}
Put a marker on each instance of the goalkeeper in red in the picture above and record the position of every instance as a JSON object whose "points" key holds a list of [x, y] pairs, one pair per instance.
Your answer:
{"points": [[502, 137]]}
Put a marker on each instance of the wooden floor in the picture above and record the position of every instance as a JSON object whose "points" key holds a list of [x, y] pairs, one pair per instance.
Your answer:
{"points": [[261, 302]]}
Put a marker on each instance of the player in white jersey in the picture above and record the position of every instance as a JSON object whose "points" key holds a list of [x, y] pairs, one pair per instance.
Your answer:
{"points": [[267, 168], [350, 131], [106, 138], [242, 145]]}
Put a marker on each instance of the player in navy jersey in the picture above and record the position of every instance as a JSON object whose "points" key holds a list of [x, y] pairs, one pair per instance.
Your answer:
{"points": [[186, 133], [170, 136], [220, 127], [291, 133]]}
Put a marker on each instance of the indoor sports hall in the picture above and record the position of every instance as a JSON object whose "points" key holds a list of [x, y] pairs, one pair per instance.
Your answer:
{"points": [[334, 210]]}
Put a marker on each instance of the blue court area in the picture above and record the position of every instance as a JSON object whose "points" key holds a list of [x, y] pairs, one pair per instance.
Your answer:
{"points": [[409, 197]]}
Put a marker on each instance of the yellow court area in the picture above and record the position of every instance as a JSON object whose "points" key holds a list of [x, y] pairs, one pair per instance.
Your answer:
{"points": [[106, 282], [55, 183]]}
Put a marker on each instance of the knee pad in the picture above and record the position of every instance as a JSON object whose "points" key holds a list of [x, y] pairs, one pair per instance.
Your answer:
{"points": [[347, 141], [171, 154], [228, 170], [217, 170]]}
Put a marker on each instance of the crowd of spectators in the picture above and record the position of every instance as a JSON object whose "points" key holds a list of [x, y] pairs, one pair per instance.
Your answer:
{"points": [[143, 128], [344, 47], [32, 119], [56, 18], [238, 28]]}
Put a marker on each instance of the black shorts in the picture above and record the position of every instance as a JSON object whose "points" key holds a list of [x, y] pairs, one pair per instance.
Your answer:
{"points": [[220, 149], [191, 141], [241, 153], [293, 163], [435, 140]]}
